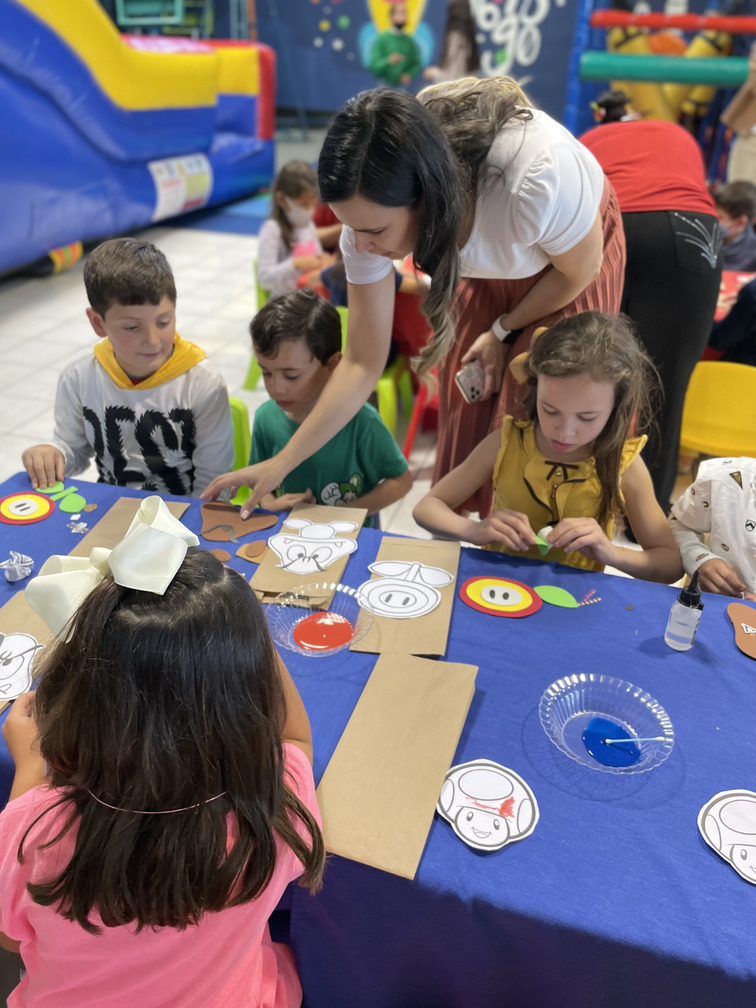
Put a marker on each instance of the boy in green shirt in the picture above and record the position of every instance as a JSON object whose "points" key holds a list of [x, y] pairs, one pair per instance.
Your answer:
{"points": [[297, 341]]}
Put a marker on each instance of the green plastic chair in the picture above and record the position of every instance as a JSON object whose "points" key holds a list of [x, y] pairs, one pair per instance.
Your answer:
{"points": [[242, 441]]}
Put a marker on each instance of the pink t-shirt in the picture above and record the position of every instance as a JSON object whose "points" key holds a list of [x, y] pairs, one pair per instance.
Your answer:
{"points": [[226, 961]]}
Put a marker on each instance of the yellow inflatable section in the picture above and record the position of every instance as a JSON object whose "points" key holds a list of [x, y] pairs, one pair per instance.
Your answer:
{"points": [[131, 79]]}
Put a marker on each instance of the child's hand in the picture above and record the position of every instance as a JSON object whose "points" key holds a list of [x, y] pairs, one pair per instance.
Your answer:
{"points": [[45, 465], [510, 528], [20, 729], [720, 577], [287, 501], [584, 535]]}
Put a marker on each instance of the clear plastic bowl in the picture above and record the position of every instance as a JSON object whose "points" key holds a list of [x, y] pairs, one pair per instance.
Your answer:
{"points": [[569, 705], [291, 616]]}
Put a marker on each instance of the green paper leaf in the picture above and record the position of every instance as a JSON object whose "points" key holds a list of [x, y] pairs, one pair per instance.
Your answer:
{"points": [[55, 488], [556, 596], [543, 545]]}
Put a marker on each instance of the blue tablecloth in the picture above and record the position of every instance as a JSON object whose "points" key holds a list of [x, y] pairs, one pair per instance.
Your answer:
{"points": [[615, 900]]}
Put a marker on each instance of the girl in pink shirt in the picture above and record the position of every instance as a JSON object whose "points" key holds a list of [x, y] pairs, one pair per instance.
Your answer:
{"points": [[142, 866]]}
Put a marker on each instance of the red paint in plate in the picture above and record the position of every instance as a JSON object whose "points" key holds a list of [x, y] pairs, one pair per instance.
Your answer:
{"points": [[323, 631]]}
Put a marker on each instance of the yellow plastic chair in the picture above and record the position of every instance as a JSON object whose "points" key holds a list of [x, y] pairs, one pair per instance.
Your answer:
{"points": [[242, 441], [719, 416]]}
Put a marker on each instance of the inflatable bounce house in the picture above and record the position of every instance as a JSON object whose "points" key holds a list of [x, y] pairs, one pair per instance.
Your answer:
{"points": [[106, 133]]}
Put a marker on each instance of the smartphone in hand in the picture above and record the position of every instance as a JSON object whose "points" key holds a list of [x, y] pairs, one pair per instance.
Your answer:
{"points": [[471, 381]]}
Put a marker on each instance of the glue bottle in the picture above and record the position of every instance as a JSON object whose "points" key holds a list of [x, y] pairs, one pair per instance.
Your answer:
{"points": [[684, 616]]}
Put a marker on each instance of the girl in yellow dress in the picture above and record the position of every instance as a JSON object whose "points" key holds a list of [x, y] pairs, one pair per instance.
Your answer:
{"points": [[573, 464]]}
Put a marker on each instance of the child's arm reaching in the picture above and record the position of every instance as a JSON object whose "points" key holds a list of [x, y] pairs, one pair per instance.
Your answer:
{"points": [[45, 465], [435, 512], [296, 729], [20, 734], [659, 558], [715, 574]]}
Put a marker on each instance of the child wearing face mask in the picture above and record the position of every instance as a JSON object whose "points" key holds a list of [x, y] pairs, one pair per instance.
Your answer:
{"points": [[289, 246]]}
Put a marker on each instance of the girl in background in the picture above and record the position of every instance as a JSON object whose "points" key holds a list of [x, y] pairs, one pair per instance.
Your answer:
{"points": [[289, 244], [142, 868], [573, 463]]}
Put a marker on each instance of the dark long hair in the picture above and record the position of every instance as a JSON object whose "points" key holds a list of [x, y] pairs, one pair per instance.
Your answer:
{"points": [[398, 151], [606, 348], [162, 702]]}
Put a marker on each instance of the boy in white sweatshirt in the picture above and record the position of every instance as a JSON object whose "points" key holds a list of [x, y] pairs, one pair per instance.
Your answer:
{"points": [[145, 404]]}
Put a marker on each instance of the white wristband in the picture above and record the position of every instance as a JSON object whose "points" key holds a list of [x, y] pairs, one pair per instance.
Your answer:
{"points": [[498, 329]]}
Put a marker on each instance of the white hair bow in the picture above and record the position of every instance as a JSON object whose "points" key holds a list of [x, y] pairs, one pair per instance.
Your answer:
{"points": [[147, 558]]}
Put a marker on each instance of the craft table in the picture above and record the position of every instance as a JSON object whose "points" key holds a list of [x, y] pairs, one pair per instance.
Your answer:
{"points": [[615, 900]]}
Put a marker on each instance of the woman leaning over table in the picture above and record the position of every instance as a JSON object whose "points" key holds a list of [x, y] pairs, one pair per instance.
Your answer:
{"points": [[477, 185]]}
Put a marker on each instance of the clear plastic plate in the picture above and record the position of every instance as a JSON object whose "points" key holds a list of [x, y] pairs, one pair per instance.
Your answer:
{"points": [[318, 619], [569, 706]]}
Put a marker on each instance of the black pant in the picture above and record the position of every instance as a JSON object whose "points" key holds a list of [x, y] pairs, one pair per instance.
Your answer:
{"points": [[671, 287]]}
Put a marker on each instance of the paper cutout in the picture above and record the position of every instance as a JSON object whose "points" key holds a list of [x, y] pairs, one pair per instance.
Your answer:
{"points": [[253, 551], [380, 788], [542, 541], [500, 596], [426, 634], [316, 546], [403, 590], [224, 523], [18, 567], [223, 555], [68, 499], [556, 596], [743, 619], [89, 507], [17, 652], [728, 825], [25, 508], [275, 575], [488, 805]]}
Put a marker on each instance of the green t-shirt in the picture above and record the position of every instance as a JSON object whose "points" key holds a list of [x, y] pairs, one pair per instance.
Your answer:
{"points": [[351, 464], [395, 42]]}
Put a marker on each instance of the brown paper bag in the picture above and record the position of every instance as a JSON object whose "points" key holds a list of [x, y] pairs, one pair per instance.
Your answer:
{"points": [[411, 590], [379, 791], [306, 551]]}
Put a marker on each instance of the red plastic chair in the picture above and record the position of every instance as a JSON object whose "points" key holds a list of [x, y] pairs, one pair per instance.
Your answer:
{"points": [[425, 401]]}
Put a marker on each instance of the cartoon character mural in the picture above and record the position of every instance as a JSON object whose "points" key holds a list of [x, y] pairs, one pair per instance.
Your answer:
{"points": [[17, 651], [403, 590], [316, 547], [488, 805], [728, 824]]}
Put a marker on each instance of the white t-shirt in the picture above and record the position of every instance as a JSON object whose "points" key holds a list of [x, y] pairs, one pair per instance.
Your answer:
{"points": [[539, 198]]}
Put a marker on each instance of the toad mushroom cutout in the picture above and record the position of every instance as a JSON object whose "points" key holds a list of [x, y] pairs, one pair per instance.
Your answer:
{"points": [[728, 825], [315, 548], [17, 652], [488, 805], [403, 590]]}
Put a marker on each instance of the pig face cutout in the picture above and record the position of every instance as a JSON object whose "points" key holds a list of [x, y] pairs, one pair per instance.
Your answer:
{"points": [[728, 825], [403, 590], [316, 547], [488, 805], [17, 651]]}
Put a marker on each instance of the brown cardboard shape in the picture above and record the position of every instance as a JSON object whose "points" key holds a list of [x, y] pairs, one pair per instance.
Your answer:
{"points": [[270, 579], [224, 523], [379, 791], [420, 635], [742, 617], [114, 524]]}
